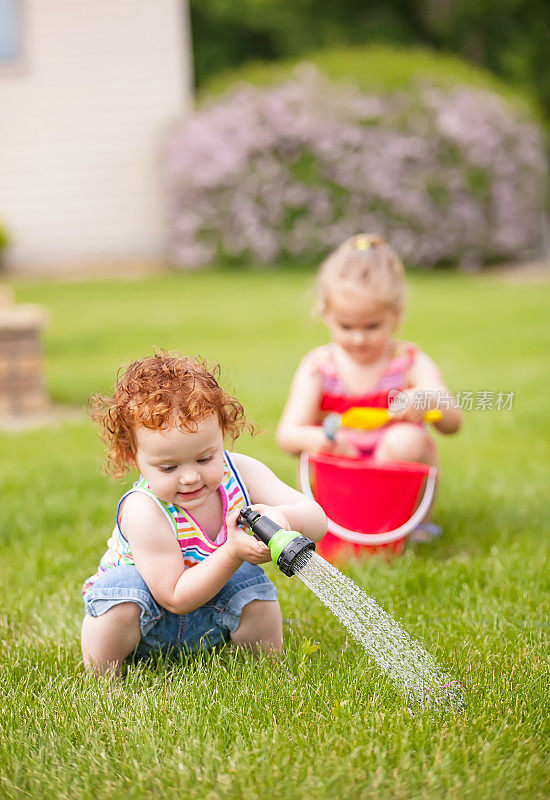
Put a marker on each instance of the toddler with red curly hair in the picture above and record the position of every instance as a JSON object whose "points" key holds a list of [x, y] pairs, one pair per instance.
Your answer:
{"points": [[168, 417]]}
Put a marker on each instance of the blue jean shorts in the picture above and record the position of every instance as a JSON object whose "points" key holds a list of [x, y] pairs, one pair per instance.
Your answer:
{"points": [[165, 632]]}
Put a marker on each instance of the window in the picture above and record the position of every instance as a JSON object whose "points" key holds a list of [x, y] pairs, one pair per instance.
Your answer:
{"points": [[10, 31]]}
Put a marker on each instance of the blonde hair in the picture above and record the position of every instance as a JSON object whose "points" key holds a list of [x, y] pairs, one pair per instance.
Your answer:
{"points": [[366, 262]]}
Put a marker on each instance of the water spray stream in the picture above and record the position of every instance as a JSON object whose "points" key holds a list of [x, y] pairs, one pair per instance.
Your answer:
{"points": [[404, 661]]}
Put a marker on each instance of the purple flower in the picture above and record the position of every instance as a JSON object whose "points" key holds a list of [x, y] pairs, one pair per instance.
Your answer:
{"points": [[446, 174]]}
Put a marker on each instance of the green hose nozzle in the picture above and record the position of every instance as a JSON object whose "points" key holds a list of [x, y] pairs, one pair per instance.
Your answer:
{"points": [[284, 545]]}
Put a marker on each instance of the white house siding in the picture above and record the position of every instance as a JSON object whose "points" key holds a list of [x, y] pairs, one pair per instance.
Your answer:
{"points": [[81, 121]]}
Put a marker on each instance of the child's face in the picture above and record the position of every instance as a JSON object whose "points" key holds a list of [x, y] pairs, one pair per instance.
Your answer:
{"points": [[182, 467], [360, 324]]}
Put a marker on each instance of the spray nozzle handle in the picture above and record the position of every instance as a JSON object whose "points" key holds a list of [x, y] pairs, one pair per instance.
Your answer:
{"points": [[247, 517], [263, 527], [284, 545]]}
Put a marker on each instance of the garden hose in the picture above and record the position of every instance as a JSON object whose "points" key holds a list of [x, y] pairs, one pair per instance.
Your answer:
{"points": [[284, 545]]}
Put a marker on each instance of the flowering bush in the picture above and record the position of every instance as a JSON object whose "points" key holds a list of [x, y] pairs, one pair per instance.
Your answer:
{"points": [[4, 238], [289, 172]]}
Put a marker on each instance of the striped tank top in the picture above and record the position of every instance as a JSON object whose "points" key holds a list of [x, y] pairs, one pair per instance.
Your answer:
{"points": [[194, 543]]}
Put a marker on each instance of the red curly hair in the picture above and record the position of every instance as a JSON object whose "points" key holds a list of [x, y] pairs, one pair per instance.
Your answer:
{"points": [[159, 392]]}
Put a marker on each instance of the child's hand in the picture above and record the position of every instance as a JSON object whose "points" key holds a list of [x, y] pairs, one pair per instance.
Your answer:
{"points": [[409, 413], [244, 546], [339, 446]]}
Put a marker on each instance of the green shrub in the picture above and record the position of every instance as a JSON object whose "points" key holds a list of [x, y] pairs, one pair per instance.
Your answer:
{"points": [[377, 68], [4, 238]]}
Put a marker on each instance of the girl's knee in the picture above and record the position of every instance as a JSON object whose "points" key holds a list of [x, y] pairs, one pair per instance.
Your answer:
{"points": [[121, 617], [109, 638], [405, 442], [260, 626], [126, 613]]}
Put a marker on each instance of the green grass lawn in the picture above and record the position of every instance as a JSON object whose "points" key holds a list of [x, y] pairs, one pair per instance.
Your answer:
{"points": [[222, 725]]}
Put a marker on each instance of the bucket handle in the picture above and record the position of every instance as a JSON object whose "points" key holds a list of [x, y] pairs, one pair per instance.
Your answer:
{"points": [[373, 538]]}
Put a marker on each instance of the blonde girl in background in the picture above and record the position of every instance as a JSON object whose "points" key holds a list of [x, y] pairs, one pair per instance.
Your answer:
{"points": [[361, 300], [178, 573]]}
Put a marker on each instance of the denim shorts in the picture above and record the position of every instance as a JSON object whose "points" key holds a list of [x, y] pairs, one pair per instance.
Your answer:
{"points": [[165, 632]]}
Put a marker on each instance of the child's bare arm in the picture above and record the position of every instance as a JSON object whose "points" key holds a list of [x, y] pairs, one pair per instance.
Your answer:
{"points": [[426, 378], [299, 427], [274, 498], [158, 558]]}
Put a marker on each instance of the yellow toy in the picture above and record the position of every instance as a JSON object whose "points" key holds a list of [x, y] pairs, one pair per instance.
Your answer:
{"points": [[368, 419]]}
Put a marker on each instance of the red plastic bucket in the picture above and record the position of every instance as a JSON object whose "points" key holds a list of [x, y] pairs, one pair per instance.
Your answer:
{"points": [[371, 507]]}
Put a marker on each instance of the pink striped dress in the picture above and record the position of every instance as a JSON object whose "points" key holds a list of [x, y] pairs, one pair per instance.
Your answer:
{"points": [[336, 397], [194, 543]]}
